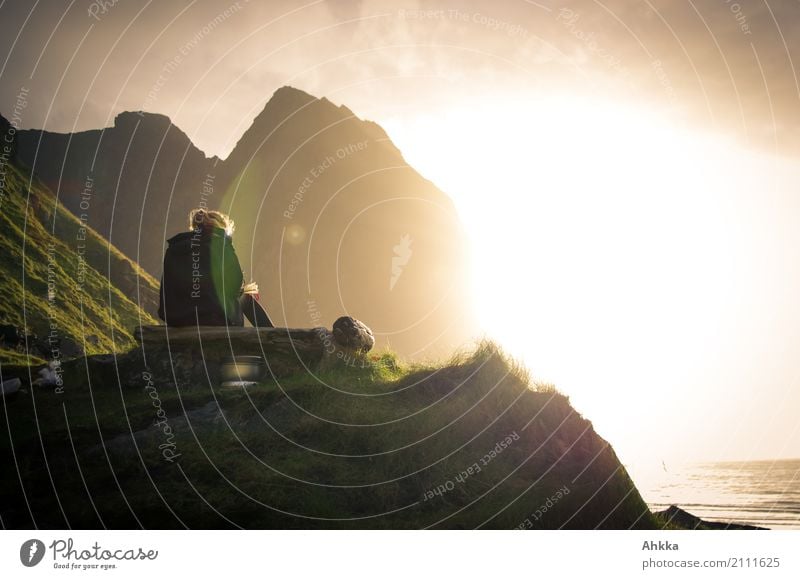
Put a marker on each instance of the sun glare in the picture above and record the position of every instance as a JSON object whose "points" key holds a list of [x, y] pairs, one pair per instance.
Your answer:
{"points": [[607, 243]]}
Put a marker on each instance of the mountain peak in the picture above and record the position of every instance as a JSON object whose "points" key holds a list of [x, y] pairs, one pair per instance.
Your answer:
{"points": [[288, 99], [290, 93], [285, 101], [308, 116], [128, 118], [153, 124]]}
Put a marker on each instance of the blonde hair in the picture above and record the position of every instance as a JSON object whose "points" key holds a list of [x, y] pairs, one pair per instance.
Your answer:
{"points": [[206, 220]]}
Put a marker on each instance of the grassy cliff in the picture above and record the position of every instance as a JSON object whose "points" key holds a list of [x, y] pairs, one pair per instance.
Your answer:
{"points": [[375, 444], [55, 283]]}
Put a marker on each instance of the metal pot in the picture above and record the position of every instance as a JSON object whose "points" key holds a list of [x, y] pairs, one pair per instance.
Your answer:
{"points": [[243, 369]]}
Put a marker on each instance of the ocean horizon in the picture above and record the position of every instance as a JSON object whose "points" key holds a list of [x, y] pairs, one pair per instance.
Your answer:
{"points": [[764, 493]]}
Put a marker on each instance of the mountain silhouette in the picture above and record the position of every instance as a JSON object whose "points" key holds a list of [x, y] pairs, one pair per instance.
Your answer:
{"points": [[320, 198]]}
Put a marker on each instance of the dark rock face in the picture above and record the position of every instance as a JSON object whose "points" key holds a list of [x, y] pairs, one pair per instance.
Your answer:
{"points": [[10, 388], [193, 357], [353, 334], [7, 140], [11, 336], [329, 216], [687, 520]]}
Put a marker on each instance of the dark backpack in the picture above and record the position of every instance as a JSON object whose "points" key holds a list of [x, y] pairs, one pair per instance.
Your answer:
{"points": [[202, 281]]}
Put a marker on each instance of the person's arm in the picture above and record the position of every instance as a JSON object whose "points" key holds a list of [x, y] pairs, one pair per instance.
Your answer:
{"points": [[234, 278], [226, 274]]}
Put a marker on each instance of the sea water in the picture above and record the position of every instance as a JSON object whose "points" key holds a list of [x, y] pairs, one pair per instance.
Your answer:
{"points": [[765, 493]]}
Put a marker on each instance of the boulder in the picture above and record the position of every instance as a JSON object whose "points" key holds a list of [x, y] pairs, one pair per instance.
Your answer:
{"points": [[687, 520], [49, 375], [351, 334], [10, 388], [194, 356]]}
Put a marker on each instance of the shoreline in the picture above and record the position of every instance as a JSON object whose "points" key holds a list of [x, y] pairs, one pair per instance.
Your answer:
{"points": [[685, 520]]}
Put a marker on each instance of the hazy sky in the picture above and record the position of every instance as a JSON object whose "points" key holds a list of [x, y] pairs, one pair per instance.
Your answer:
{"points": [[211, 66], [635, 159]]}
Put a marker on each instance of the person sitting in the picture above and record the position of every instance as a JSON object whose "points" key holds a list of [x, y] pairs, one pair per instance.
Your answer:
{"points": [[203, 283]]}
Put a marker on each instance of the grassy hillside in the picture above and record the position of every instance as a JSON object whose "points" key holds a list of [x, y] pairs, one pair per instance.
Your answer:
{"points": [[56, 275], [462, 444]]}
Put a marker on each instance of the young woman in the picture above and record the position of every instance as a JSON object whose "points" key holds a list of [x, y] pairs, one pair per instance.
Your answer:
{"points": [[202, 283]]}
